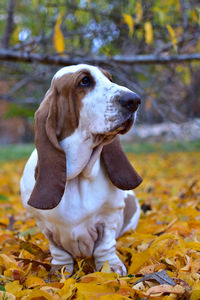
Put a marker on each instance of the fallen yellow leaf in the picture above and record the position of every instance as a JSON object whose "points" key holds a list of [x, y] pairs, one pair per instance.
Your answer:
{"points": [[165, 288], [33, 281]]}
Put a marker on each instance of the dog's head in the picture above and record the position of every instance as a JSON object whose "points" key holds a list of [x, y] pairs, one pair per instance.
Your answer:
{"points": [[82, 98], [100, 106]]}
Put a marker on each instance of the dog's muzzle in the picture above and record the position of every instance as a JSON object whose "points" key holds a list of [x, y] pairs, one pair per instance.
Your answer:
{"points": [[130, 101], [127, 104]]}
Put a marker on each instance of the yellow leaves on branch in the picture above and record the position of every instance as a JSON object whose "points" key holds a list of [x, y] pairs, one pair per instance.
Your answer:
{"points": [[172, 36], [58, 38], [139, 12], [148, 32], [148, 29], [129, 21]]}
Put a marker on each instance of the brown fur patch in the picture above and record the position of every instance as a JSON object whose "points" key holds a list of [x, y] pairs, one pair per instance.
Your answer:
{"points": [[56, 119], [119, 169], [130, 209], [106, 73], [51, 177], [70, 101]]}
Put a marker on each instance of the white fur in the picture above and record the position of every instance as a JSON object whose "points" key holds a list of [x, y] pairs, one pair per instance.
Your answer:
{"points": [[71, 69], [90, 199], [100, 112]]}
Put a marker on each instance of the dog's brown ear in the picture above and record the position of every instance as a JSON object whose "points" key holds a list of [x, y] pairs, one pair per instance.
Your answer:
{"points": [[51, 168], [118, 167]]}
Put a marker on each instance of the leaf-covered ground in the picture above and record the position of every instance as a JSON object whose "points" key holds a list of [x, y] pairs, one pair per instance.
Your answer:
{"points": [[167, 239]]}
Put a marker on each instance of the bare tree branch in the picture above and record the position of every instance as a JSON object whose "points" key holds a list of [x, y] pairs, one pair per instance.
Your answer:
{"points": [[184, 14], [180, 42], [9, 98], [19, 85], [162, 110], [10, 55], [37, 76], [124, 78], [91, 10], [9, 24]]}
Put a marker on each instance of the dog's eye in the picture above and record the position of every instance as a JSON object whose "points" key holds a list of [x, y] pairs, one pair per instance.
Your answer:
{"points": [[85, 82]]}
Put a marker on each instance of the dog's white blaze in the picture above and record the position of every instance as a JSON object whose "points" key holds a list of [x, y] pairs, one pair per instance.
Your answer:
{"points": [[73, 68]]}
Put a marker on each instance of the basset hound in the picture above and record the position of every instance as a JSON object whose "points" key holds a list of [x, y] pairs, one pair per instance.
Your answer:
{"points": [[78, 182]]}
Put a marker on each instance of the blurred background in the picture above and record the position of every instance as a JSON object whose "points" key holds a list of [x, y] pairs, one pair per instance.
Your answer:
{"points": [[152, 47]]}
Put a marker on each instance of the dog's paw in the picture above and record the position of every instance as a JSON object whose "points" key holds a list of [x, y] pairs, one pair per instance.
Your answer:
{"points": [[116, 266], [119, 268], [67, 268]]}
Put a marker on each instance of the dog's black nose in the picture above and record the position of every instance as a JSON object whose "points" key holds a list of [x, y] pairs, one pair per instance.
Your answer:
{"points": [[130, 101]]}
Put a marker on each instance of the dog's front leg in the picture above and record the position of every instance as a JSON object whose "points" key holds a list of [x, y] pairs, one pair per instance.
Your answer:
{"points": [[60, 257], [105, 251]]}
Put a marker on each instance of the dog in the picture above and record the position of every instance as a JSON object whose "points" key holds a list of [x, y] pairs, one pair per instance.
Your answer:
{"points": [[78, 182]]}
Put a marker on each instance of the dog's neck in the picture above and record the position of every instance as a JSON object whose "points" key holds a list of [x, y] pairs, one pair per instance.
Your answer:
{"points": [[81, 155]]}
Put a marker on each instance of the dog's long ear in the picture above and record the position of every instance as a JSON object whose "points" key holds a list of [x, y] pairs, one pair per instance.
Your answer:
{"points": [[51, 168], [118, 167]]}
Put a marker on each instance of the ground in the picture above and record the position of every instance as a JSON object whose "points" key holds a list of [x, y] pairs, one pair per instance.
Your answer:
{"points": [[167, 239]]}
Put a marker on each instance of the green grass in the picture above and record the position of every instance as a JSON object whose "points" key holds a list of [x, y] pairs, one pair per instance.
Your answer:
{"points": [[12, 152], [147, 147]]}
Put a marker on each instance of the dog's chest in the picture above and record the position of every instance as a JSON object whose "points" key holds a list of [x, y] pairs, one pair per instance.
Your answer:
{"points": [[90, 204], [85, 199], [85, 209]]}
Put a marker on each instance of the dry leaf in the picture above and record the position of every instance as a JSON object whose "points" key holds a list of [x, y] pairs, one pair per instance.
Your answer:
{"points": [[6, 296], [151, 268], [160, 277], [106, 268], [13, 287], [160, 241], [165, 288], [33, 281]]}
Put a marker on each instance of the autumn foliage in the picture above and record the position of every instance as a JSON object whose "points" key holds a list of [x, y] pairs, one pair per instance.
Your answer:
{"points": [[162, 255]]}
